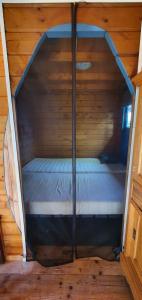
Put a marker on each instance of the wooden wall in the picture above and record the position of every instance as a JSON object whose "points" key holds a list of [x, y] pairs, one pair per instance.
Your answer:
{"points": [[44, 102], [10, 232], [121, 21], [25, 24]]}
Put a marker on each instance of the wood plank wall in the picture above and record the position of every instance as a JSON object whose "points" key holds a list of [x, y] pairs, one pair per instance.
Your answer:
{"points": [[121, 21], [44, 103], [25, 24], [10, 232]]}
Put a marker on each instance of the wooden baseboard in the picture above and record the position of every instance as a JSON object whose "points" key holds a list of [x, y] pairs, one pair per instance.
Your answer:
{"points": [[131, 276]]}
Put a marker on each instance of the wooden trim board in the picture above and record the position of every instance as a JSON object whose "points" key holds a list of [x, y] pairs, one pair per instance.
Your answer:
{"points": [[131, 147]]}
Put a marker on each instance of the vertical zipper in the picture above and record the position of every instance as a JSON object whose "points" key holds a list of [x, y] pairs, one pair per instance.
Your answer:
{"points": [[74, 45]]}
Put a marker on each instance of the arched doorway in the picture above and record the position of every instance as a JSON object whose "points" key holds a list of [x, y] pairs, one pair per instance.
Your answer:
{"points": [[43, 102]]}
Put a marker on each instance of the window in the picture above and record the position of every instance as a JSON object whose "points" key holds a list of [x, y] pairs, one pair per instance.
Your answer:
{"points": [[127, 115]]}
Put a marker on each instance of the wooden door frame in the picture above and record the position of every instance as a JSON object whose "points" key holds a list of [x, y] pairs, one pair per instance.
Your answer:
{"points": [[131, 147], [12, 118]]}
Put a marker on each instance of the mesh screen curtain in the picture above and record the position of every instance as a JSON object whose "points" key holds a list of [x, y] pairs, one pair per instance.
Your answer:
{"points": [[61, 222]]}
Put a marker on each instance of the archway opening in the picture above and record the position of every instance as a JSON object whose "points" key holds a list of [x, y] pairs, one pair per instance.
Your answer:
{"points": [[43, 102]]}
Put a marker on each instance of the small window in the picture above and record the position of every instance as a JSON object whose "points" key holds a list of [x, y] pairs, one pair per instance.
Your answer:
{"points": [[127, 115]]}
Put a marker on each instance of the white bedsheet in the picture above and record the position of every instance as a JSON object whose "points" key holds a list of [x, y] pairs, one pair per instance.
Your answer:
{"points": [[47, 186]]}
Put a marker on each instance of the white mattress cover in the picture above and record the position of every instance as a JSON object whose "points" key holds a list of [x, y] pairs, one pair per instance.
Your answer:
{"points": [[100, 188]]}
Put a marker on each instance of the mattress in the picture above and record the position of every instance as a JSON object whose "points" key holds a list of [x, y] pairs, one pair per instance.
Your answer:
{"points": [[61, 165], [47, 187]]}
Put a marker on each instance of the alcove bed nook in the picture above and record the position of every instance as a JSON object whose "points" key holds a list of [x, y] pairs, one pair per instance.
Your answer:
{"points": [[49, 170]]}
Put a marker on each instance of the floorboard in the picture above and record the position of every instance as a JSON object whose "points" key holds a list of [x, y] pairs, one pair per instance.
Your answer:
{"points": [[84, 279]]}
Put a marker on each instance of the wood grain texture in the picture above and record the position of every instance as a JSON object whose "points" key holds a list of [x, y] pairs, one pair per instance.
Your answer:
{"points": [[49, 82], [137, 80], [10, 180], [12, 247], [111, 18], [1, 245], [131, 259], [25, 25], [91, 278], [132, 277]]}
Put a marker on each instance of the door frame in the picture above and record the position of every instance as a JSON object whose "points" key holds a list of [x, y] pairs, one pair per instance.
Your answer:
{"points": [[131, 147], [12, 118]]}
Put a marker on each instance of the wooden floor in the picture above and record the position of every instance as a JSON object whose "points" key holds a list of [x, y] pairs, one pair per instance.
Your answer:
{"points": [[85, 279]]}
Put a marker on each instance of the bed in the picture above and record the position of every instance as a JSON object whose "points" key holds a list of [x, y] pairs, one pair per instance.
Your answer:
{"points": [[47, 186]]}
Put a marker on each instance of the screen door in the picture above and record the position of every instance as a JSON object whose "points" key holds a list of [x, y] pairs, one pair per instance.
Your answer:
{"points": [[67, 171], [99, 180], [44, 118]]}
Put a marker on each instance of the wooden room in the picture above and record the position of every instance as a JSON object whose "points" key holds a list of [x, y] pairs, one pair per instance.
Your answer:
{"points": [[71, 136]]}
